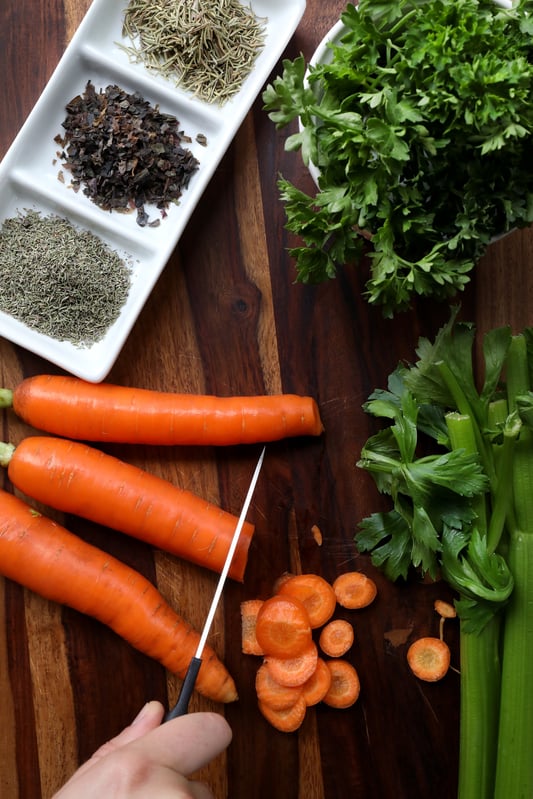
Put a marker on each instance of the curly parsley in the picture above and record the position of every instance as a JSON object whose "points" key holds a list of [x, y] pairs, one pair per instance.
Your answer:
{"points": [[421, 127]]}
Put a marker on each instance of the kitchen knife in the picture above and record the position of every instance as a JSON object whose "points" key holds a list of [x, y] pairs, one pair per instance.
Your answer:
{"points": [[181, 706]]}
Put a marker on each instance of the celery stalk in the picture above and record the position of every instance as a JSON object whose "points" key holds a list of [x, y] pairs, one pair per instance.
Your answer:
{"points": [[514, 771], [514, 768], [480, 689], [514, 765], [480, 667]]}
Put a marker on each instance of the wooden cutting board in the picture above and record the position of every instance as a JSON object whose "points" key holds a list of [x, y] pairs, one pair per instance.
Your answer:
{"points": [[226, 317]]}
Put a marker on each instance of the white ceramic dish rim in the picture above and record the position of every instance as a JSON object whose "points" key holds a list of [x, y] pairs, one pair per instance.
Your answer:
{"points": [[92, 50]]}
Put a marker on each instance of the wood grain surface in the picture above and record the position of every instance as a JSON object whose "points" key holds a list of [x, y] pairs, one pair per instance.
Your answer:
{"points": [[227, 317]]}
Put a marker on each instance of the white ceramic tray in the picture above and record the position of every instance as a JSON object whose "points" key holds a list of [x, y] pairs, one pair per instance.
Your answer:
{"points": [[29, 170]]}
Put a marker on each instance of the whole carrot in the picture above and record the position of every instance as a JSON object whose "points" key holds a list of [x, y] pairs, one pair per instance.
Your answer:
{"points": [[79, 479], [51, 561], [73, 408]]}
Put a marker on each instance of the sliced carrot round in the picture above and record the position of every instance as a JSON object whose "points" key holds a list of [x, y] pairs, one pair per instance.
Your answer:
{"points": [[282, 627], [249, 610], [345, 686], [271, 693], [336, 638], [429, 658], [318, 684], [278, 582], [293, 671], [288, 719], [445, 609], [316, 594], [354, 590]]}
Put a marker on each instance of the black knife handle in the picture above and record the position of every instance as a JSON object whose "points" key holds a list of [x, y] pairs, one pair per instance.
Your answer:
{"points": [[181, 706]]}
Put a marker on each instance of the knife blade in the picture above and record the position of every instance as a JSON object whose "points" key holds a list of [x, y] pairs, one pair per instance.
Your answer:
{"points": [[181, 706]]}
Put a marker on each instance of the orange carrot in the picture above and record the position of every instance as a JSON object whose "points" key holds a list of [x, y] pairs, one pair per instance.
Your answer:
{"points": [[445, 609], [293, 671], [354, 590], [287, 720], [336, 638], [317, 534], [345, 687], [73, 408], [282, 627], [429, 658], [272, 693], [49, 560], [315, 593], [249, 610], [278, 582], [318, 684], [78, 479]]}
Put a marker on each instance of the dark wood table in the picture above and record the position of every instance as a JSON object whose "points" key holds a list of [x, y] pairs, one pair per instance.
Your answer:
{"points": [[226, 317]]}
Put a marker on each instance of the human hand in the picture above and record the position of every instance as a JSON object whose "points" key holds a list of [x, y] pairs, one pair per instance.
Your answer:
{"points": [[152, 759]]}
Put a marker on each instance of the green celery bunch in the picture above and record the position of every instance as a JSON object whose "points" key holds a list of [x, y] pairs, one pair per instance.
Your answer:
{"points": [[421, 127], [457, 463]]}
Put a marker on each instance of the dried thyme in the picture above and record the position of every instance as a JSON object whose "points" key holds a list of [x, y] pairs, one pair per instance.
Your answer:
{"points": [[63, 282], [124, 152], [207, 47]]}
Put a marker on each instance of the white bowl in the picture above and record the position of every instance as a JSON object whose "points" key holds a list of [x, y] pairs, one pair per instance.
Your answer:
{"points": [[322, 55]]}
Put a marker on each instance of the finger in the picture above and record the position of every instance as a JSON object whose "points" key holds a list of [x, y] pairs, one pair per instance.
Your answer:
{"points": [[188, 743], [199, 790], [148, 719]]}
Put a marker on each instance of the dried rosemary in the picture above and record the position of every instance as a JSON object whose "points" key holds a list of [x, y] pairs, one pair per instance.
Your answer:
{"points": [[124, 152], [207, 47], [63, 282]]}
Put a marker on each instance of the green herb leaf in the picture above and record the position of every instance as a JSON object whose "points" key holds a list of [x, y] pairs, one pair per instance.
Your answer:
{"points": [[482, 579]]}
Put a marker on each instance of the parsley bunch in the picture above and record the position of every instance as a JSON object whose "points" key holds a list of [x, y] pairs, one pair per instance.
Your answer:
{"points": [[421, 127]]}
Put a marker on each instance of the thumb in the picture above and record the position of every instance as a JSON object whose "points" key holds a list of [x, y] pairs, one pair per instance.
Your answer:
{"points": [[187, 743]]}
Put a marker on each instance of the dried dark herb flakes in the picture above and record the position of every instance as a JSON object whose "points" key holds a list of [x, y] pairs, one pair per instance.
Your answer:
{"points": [[124, 152]]}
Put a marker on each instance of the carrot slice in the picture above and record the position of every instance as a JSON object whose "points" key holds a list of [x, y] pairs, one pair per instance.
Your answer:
{"points": [[336, 638], [293, 671], [282, 627], [318, 684], [445, 609], [280, 580], [429, 658], [345, 686], [315, 593], [249, 610], [270, 693], [354, 590], [287, 720]]}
